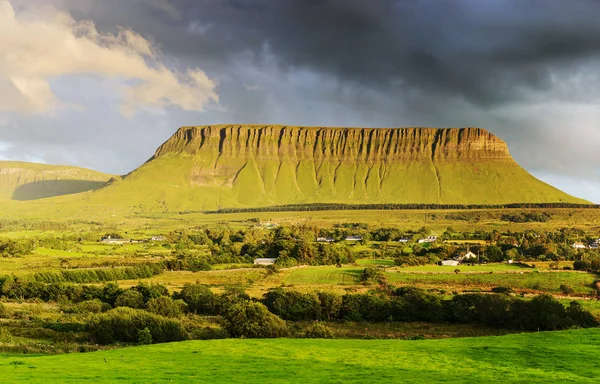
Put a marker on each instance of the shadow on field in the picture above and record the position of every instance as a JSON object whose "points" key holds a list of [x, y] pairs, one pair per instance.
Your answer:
{"points": [[50, 188]]}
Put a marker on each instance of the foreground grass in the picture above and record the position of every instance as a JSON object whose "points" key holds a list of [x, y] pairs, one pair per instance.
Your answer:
{"points": [[549, 357]]}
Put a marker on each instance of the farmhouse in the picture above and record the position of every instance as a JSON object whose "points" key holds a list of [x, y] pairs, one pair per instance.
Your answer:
{"points": [[579, 245], [449, 263], [467, 256], [325, 239], [353, 238], [403, 240], [428, 239], [110, 240], [264, 261]]}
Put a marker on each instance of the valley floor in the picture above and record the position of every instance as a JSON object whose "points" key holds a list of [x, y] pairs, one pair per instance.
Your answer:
{"points": [[547, 357]]}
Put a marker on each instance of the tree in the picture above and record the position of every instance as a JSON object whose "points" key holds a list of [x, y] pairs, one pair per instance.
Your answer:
{"points": [[494, 253], [199, 299], [166, 306], [292, 305], [253, 320], [151, 291], [131, 299], [368, 274], [124, 324], [144, 336], [331, 304]]}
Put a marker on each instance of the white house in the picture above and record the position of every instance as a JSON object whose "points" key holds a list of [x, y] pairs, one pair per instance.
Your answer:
{"points": [[449, 263], [158, 238], [579, 245], [110, 240], [428, 239], [325, 239], [403, 240], [353, 238], [467, 256], [264, 261]]}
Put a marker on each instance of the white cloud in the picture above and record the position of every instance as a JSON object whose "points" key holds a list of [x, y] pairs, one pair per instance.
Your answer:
{"points": [[36, 48]]}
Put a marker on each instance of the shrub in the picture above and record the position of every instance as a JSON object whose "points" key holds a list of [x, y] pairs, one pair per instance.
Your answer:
{"points": [[292, 305], [90, 306], [416, 304], [503, 290], [368, 274], [4, 312], [123, 324], [144, 336], [582, 265], [253, 320], [567, 289], [151, 291], [318, 331], [166, 306], [199, 299], [131, 299], [285, 262], [577, 316], [542, 312], [331, 304], [5, 335]]}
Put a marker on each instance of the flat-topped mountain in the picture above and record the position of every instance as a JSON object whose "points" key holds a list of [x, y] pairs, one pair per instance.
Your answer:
{"points": [[219, 166], [30, 181]]}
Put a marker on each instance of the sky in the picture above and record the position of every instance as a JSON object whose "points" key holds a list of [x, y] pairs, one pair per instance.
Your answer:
{"points": [[102, 83]]}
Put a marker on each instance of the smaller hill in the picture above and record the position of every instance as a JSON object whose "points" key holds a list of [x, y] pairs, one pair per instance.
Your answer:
{"points": [[32, 181]]}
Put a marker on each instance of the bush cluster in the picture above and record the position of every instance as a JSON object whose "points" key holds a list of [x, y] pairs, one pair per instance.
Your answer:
{"points": [[412, 304], [126, 324]]}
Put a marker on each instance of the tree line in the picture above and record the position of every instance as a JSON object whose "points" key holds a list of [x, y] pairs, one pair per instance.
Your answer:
{"points": [[149, 313], [342, 207]]}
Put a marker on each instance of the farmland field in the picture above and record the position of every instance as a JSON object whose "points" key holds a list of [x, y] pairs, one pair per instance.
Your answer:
{"points": [[470, 277], [535, 281], [325, 275], [547, 357]]}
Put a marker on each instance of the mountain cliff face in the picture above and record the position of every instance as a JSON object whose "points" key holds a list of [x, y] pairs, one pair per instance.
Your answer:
{"points": [[243, 166], [341, 144], [30, 181]]}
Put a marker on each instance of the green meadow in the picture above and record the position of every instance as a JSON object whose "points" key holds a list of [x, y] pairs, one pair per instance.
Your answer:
{"points": [[547, 357]]}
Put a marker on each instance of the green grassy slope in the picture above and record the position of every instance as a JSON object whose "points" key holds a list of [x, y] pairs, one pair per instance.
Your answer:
{"points": [[548, 357], [205, 168], [30, 181]]}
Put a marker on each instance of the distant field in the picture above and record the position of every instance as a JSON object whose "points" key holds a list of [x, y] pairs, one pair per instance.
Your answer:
{"points": [[177, 279], [371, 262], [548, 282], [325, 275], [117, 217], [490, 267], [547, 357], [482, 277]]}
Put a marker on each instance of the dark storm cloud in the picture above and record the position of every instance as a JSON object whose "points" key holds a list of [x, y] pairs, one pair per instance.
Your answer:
{"points": [[484, 51]]}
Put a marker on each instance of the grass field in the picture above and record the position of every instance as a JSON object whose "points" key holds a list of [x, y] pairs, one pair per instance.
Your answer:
{"points": [[325, 275], [482, 277], [548, 357], [548, 282], [217, 278], [483, 268]]}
